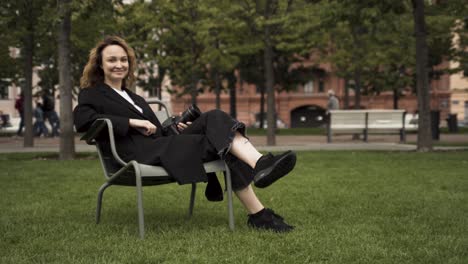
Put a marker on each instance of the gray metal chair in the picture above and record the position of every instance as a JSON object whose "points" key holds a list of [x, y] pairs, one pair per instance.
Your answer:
{"points": [[119, 172]]}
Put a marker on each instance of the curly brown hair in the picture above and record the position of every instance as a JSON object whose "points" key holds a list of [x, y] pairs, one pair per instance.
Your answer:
{"points": [[93, 73]]}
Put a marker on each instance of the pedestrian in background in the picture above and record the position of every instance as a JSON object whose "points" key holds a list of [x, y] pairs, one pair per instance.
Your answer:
{"points": [[48, 107], [39, 124], [333, 103], [19, 106]]}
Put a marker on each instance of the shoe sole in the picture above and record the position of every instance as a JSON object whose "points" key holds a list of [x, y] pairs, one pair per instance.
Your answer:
{"points": [[280, 168], [279, 230]]}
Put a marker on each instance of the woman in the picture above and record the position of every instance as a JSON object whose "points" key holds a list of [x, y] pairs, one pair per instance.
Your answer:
{"points": [[138, 134]]}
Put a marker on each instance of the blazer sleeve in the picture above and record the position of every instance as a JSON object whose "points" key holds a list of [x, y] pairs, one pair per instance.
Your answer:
{"points": [[87, 111]]}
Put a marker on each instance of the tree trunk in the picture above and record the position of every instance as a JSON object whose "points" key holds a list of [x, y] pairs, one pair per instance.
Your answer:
{"points": [[232, 96], [193, 93], [422, 81], [67, 135], [269, 77], [346, 94], [395, 98], [28, 49], [357, 89], [262, 105], [270, 89], [193, 90], [217, 90]]}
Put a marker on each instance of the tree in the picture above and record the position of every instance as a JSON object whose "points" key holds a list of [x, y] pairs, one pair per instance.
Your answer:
{"points": [[26, 18], [9, 69], [251, 70], [218, 34], [176, 24], [422, 83], [265, 22], [359, 39], [67, 136], [92, 20]]}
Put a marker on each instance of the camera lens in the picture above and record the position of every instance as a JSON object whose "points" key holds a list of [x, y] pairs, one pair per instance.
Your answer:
{"points": [[190, 114]]}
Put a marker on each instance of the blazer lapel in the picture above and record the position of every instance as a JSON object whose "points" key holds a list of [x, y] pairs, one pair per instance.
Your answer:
{"points": [[141, 103], [148, 113], [118, 98]]}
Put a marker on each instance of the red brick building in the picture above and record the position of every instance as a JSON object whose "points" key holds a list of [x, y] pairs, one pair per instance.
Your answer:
{"points": [[306, 106]]}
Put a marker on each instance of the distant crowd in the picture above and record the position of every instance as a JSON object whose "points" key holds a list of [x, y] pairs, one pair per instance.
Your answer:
{"points": [[44, 110]]}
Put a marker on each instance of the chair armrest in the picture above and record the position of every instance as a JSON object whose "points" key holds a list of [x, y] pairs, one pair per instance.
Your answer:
{"points": [[96, 129]]}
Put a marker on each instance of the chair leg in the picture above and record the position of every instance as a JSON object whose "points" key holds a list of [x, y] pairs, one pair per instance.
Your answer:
{"points": [[229, 197], [139, 187], [192, 199], [99, 201]]}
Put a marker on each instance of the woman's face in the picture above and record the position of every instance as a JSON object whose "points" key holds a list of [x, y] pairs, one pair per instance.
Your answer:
{"points": [[114, 64]]}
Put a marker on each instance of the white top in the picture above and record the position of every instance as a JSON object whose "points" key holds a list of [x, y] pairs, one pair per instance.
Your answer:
{"points": [[128, 98]]}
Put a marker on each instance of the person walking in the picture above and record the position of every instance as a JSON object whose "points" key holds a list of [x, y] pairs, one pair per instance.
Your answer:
{"points": [[19, 106], [48, 107], [39, 124], [333, 102]]}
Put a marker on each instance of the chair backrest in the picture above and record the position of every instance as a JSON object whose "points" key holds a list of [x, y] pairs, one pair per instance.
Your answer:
{"points": [[163, 113], [109, 164]]}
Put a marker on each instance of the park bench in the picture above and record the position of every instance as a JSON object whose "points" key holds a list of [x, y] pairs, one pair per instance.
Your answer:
{"points": [[370, 121], [118, 172], [11, 124]]}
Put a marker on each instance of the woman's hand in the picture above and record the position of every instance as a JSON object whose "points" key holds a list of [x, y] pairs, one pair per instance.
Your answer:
{"points": [[144, 126], [181, 126]]}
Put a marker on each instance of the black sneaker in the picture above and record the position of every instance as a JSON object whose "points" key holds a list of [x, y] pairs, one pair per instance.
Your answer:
{"points": [[270, 168], [267, 219]]}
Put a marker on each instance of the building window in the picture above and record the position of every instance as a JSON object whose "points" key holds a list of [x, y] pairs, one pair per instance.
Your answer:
{"points": [[3, 90], [321, 87], [444, 103], [258, 89], [466, 111], [455, 102], [309, 87]]}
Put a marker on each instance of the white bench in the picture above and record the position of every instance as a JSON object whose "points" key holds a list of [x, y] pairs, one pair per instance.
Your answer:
{"points": [[14, 125], [370, 121]]}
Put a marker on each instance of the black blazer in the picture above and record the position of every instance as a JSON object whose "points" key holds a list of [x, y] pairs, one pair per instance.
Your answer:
{"points": [[181, 155]]}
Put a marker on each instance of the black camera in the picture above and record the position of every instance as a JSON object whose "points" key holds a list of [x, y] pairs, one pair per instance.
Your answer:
{"points": [[189, 115]]}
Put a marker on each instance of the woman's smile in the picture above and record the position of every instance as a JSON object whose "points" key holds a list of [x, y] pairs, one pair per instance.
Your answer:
{"points": [[115, 65]]}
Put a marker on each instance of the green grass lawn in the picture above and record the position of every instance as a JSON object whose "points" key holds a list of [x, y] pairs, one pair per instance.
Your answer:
{"points": [[348, 207], [441, 143], [289, 131], [323, 131]]}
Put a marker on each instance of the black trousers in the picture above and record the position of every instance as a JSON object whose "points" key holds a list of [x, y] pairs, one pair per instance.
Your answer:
{"points": [[219, 130]]}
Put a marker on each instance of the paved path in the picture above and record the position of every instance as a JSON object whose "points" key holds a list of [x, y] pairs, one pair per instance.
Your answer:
{"points": [[313, 142]]}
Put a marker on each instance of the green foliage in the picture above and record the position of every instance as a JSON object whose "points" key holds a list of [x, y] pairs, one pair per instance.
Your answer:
{"points": [[18, 19], [175, 33], [196, 42], [91, 20], [453, 14]]}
